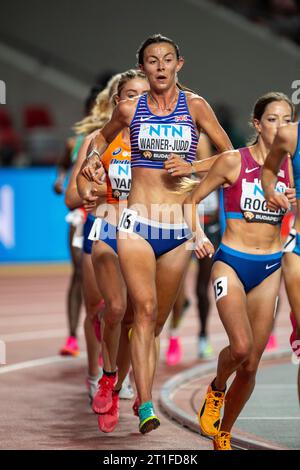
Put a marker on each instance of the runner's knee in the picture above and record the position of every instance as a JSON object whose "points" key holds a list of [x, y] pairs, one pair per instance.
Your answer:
{"points": [[146, 313], [240, 351]]}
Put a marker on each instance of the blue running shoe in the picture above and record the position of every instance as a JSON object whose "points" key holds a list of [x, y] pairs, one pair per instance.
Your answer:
{"points": [[148, 419]]}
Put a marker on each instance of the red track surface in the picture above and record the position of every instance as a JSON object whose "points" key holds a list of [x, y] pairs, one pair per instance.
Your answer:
{"points": [[46, 406]]}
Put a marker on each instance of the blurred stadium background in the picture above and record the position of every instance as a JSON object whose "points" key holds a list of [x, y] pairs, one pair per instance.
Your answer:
{"points": [[52, 52]]}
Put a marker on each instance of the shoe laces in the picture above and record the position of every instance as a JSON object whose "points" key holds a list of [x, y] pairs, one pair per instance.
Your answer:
{"points": [[105, 386], [224, 440], [214, 403]]}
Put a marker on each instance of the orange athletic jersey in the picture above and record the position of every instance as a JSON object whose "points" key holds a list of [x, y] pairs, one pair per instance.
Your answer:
{"points": [[116, 162]]}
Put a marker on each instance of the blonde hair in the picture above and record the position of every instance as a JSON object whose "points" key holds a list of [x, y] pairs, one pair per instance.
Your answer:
{"points": [[102, 110], [186, 185], [130, 74]]}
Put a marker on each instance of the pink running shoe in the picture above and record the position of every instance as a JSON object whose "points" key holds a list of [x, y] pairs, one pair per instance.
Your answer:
{"points": [[102, 402], [135, 407], [174, 352], [294, 341], [107, 422], [272, 343], [70, 348]]}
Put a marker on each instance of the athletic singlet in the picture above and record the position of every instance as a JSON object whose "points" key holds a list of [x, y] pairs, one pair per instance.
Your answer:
{"points": [[116, 162], [296, 165], [153, 137], [245, 198]]}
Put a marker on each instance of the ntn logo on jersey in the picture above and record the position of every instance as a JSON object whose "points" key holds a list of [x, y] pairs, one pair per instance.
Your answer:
{"points": [[167, 130], [255, 187], [253, 199], [119, 169]]}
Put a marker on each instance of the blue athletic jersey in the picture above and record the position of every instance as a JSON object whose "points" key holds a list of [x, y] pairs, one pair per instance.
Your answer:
{"points": [[296, 165], [153, 138]]}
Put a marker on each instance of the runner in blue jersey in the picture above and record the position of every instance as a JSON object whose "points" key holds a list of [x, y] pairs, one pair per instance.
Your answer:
{"points": [[287, 141], [152, 234]]}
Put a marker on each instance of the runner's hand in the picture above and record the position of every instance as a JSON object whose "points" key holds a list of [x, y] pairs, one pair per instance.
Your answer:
{"points": [[290, 193], [92, 169], [176, 166], [90, 201], [203, 247], [278, 201]]}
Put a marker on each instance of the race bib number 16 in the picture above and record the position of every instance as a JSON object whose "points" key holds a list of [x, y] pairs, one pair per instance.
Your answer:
{"points": [[127, 221]]}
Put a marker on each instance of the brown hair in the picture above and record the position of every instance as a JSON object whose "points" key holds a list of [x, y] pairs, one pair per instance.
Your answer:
{"points": [[157, 39], [260, 107]]}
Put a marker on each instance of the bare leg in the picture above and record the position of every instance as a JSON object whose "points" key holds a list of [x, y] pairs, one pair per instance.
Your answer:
{"points": [[74, 293], [232, 309], [203, 277], [123, 359], [138, 265], [260, 310], [92, 298], [291, 273], [168, 287], [110, 280], [178, 308]]}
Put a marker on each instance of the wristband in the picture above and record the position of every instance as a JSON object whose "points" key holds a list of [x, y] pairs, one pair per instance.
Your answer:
{"points": [[93, 152]]}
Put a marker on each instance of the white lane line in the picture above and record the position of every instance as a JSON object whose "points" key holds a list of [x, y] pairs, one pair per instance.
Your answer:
{"points": [[31, 335], [274, 418], [272, 386], [38, 362], [58, 333]]}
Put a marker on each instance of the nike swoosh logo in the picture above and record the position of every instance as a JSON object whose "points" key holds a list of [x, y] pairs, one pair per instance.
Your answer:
{"points": [[249, 170], [272, 266], [147, 118], [180, 238]]}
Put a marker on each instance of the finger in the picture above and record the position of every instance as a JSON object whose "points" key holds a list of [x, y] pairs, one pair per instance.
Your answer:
{"points": [[285, 203], [97, 179], [272, 206], [198, 253], [89, 173]]}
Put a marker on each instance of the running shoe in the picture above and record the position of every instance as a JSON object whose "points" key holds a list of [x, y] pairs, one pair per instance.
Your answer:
{"points": [[222, 441], [205, 350], [209, 415], [174, 351], [70, 348], [102, 402], [294, 341], [92, 385], [272, 343], [107, 422], [148, 419], [126, 392], [135, 407]]}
